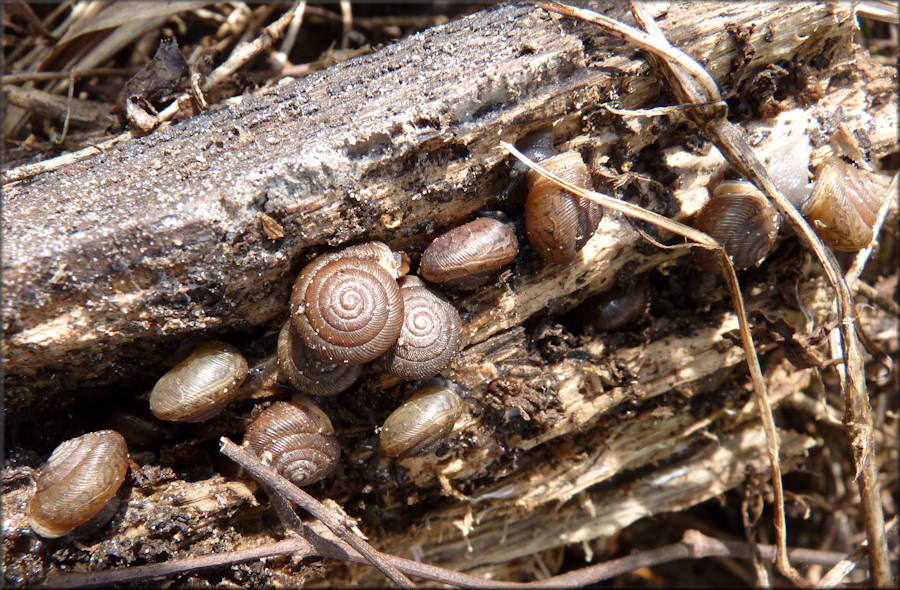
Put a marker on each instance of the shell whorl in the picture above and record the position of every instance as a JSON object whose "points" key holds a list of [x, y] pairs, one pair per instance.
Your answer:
{"points": [[843, 205], [557, 222], [79, 478], [346, 310], [422, 423], [201, 385], [469, 255], [307, 373], [430, 337], [297, 439], [740, 218]]}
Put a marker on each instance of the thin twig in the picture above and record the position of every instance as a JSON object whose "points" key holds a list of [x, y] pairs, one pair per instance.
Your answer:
{"points": [[841, 570], [694, 545], [337, 524], [731, 143], [78, 74], [248, 51]]}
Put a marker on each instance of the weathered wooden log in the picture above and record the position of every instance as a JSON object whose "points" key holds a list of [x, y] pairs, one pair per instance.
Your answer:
{"points": [[161, 239]]}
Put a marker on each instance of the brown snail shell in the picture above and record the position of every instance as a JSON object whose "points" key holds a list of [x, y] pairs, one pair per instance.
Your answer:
{"points": [[617, 307], [557, 222], [740, 218], [307, 373], [430, 336], [422, 423], [469, 255], [81, 476], [297, 439], [843, 205], [346, 309], [201, 385]]}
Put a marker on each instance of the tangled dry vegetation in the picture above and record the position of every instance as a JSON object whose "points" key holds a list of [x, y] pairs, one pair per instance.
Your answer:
{"points": [[151, 203]]}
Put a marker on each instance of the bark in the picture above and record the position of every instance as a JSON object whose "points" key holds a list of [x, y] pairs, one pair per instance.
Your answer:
{"points": [[566, 437]]}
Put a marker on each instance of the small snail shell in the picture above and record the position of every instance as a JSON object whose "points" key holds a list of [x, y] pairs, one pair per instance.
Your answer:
{"points": [[307, 373], [740, 218], [297, 439], [559, 223], [422, 423], [617, 307], [346, 310], [430, 336], [467, 256], [79, 479], [201, 385], [843, 205]]}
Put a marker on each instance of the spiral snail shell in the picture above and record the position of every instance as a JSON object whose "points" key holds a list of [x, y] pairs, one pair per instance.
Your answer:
{"points": [[201, 385], [422, 423], [559, 223], [297, 439], [467, 256], [740, 218], [347, 309], [430, 336], [81, 476], [306, 372], [843, 205]]}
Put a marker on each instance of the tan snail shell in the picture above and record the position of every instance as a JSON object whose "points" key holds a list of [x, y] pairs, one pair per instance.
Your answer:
{"points": [[430, 336], [81, 476], [201, 385], [557, 222], [347, 309], [740, 218], [843, 205], [469, 255], [422, 423], [307, 373], [297, 439]]}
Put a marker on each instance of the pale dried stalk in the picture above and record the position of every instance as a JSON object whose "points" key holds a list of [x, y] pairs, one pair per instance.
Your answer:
{"points": [[694, 88]]}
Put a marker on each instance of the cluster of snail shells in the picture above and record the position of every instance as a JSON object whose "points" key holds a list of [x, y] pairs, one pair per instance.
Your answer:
{"points": [[348, 308], [842, 208]]}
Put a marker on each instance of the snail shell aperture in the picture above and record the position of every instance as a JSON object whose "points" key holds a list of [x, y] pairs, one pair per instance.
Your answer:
{"points": [[430, 336], [740, 218], [345, 309], [78, 480], [307, 373], [297, 439], [469, 255], [422, 423], [201, 385]]}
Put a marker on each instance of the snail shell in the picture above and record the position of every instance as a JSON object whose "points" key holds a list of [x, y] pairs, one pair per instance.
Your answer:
{"points": [[617, 307], [297, 439], [80, 477], [346, 309], [422, 423], [201, 385], [843, 205], [469, 255], [307, 373], [740, 218], [559, 223], [430, 336]]}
